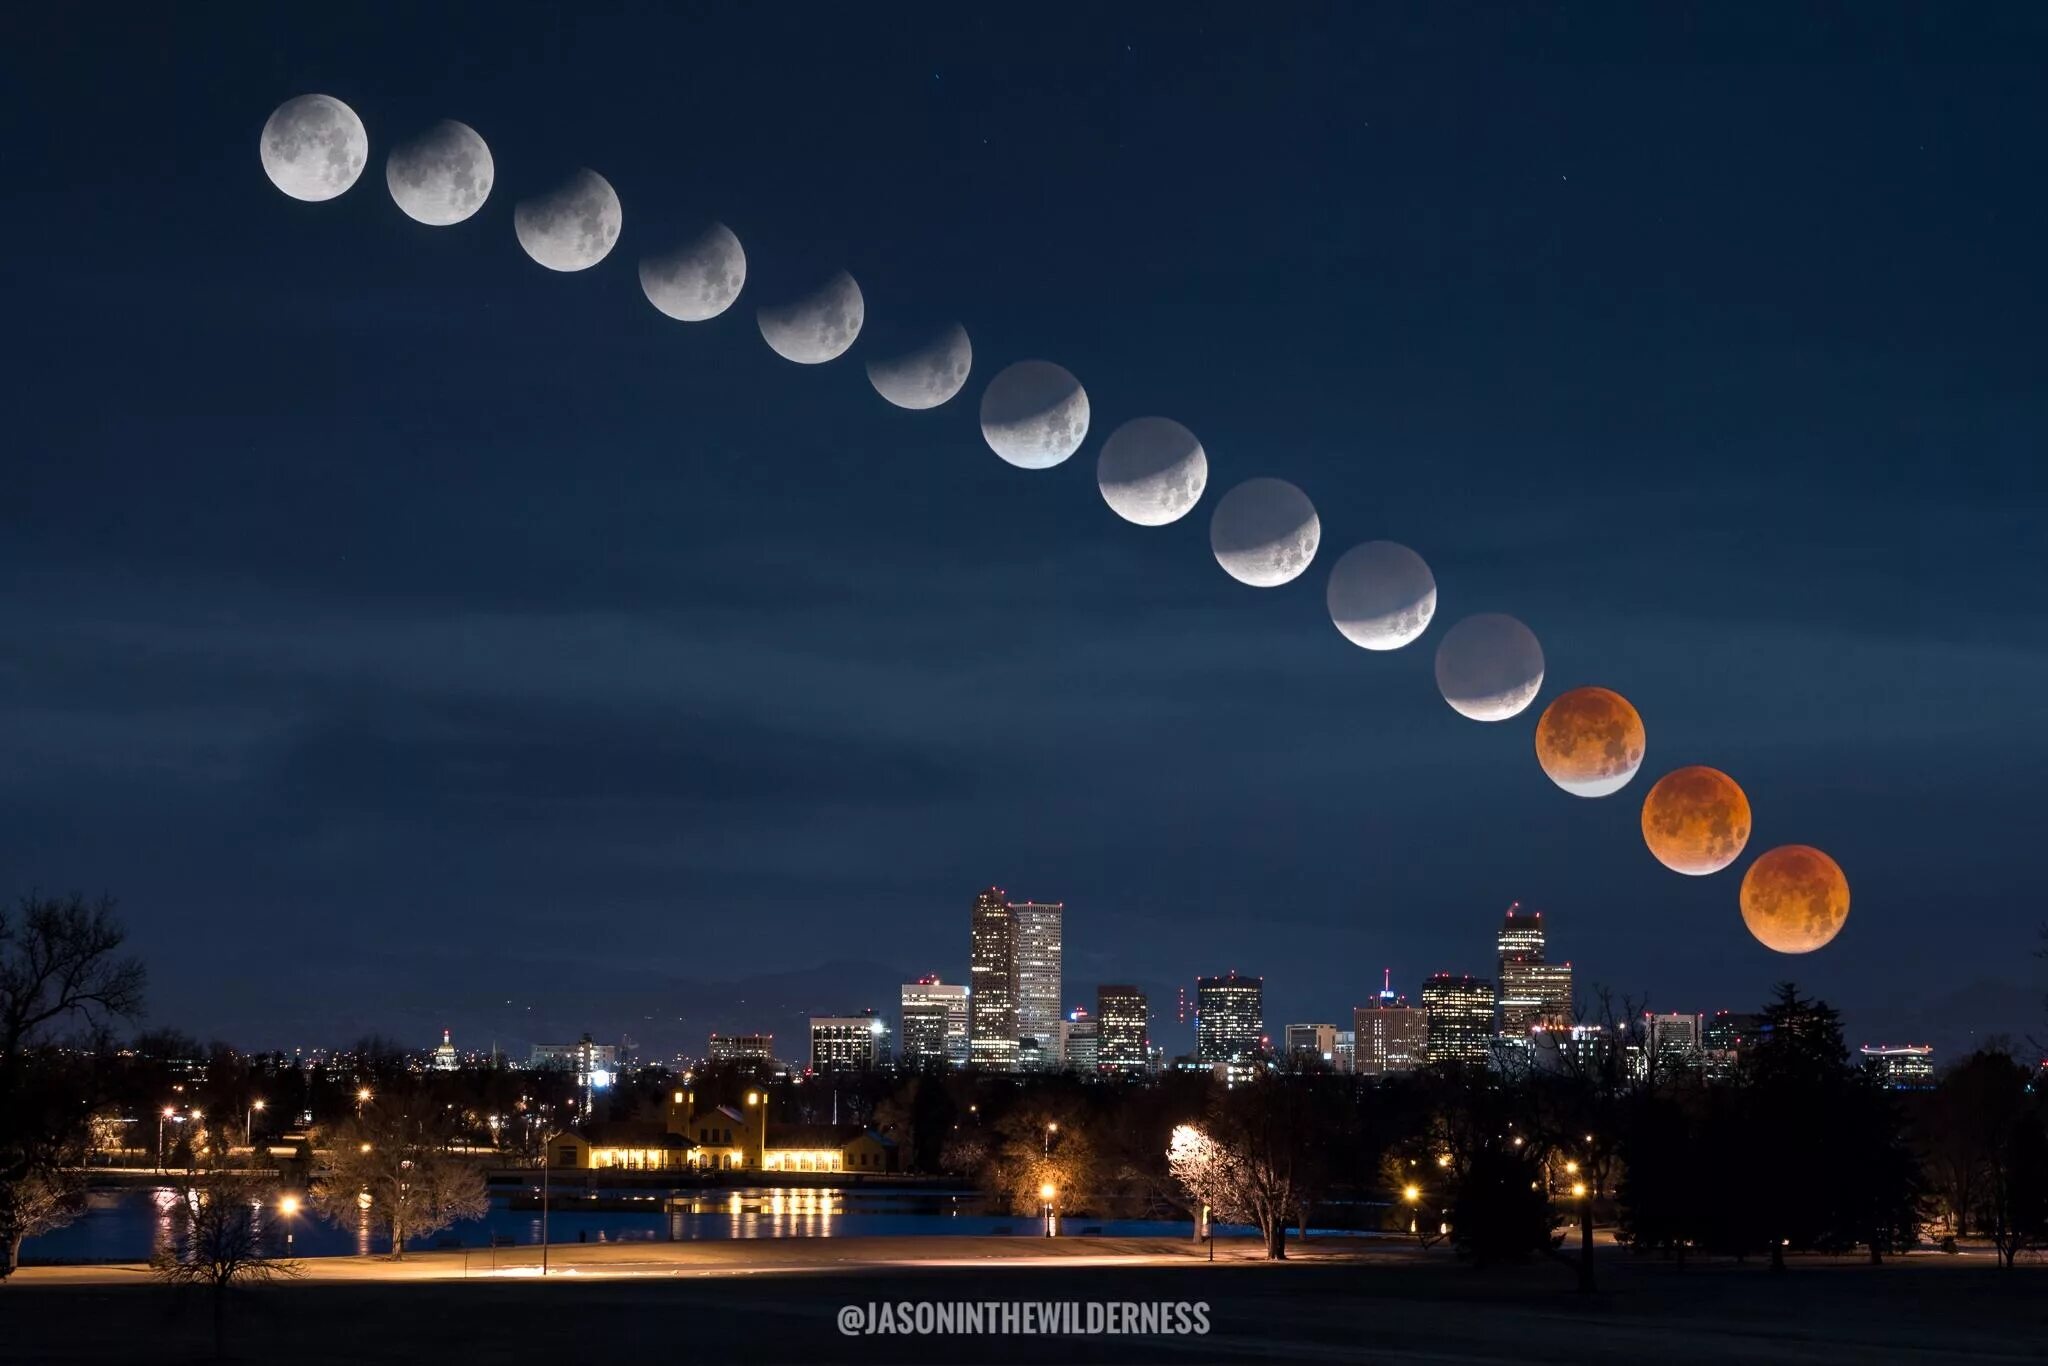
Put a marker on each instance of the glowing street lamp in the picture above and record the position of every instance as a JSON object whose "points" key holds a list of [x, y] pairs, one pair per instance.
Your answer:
{"points": [[249, 1122], [1412, 1194], [287, 1207], [1046, 1193], [362, 1098], [1578, 1190]]}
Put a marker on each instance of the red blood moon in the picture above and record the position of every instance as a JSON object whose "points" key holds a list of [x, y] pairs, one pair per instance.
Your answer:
{"points": [[1696, 820], [1590, 741], [1795, 899]]}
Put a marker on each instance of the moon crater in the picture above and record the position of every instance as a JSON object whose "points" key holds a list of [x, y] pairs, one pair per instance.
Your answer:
{"points": [[573, 226], [1152, 471], [1489, 667], [313, 147]]}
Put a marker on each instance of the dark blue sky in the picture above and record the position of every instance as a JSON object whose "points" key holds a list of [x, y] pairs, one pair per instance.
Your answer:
{"points": [[409, 635]]}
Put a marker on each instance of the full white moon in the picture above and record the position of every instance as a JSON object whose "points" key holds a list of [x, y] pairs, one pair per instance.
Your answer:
{"points": [[699, 279], [1381, 595], [1264, 532], [1489, 667], [817, 327], [573, 226], [1034, 414], [313, 147], [442, 176], [1152, 471], [928, 375]]}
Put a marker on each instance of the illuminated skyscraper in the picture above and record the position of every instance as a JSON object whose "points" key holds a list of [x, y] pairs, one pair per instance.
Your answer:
{"points": [[1230, 1017], [1726, 1037], [848, 1043], [1460, 1011], [1390, 1036], [1675, 1044], [1083, 1050], [1900, 1067], [1313, 1043], [930, 1000], [1122, 1023], [1039, 957], [1533, 993], [992, 992]]}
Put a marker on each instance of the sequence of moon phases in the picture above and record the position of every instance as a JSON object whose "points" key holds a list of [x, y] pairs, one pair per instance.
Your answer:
{"points": [[1034, 414], [1381, 595], [927, 375], [1795, 899], [1152, 471], [313, 147], [1489, 667], [697, 280], [1590, 741], [442, 176], [1264, 532], [815, 327], [573, 226], [1696, 820]]}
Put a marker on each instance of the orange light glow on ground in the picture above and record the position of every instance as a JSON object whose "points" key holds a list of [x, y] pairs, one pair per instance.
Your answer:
{"points": [[1590, 741], [1696, 820], [1795, 898]]}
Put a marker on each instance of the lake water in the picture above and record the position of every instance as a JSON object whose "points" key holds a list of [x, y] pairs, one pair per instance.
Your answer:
{"points": [[128, 1225]]}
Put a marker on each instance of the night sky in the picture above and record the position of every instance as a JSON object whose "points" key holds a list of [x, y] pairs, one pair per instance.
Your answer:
{"points": [[410, 636]]}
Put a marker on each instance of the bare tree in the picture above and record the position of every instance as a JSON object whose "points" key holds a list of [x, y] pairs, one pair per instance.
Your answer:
{"points": [[400, 1156], [1253, 1159], [60, 964], [216, 1235]]}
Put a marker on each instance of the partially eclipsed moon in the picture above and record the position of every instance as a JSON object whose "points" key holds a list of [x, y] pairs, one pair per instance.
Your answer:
{"points": [[817, 327], [1489, 667], [442, 176], [1381, 595], [1795, 898], [573, 226], [1696, 820], [313, 147], [1264, 532], [1590, 741], [1152, 471], [1034, 414], [699, 279], [927, 376]]}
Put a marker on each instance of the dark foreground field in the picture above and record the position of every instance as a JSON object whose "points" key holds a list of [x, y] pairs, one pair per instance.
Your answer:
{"points": [[730, 1305]]}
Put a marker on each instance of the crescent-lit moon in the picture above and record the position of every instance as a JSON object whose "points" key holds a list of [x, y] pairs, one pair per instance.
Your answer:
{"points": [[1696, 820], [1264, 532], [1034, 414], [313, 147], [573, 226], [442, 176], [1381, 595], [697, 280], [928, 375], [1489, 667], [1590, 742], [1795, 899], [818, 327], [1152, 471]]}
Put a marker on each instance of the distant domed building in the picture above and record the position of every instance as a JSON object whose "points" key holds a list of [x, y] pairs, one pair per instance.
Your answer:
{"points": [[444, 1056]]}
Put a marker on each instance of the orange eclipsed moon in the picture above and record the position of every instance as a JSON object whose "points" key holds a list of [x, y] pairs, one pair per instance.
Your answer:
{"points": [[1795, 899], [1696, 820], [1590, 741]]}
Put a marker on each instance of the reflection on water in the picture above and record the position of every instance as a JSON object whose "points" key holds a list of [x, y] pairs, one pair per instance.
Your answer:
{"points": [[129, 1225]]}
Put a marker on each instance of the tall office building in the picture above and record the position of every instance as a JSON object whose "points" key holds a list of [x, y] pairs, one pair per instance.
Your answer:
{"points": [[742, 1048], [1312, 1043], [1083, 1048], [937, 1007], [1460, 1011], [1388, 1037], [1122, 1022], [1725, 1038], [1230, 1017], [1674, 1044], [1534, 994], [1900, 1067], [992, 987], [849, 1043], [1038, 979]]}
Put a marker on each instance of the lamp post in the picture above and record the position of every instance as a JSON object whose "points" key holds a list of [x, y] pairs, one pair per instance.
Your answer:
{"points": [[1051, 1128], [288, 1207], [249, 1124], [161, 1120], [544, 1204], [362, 1097], [1046, 1193]]}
